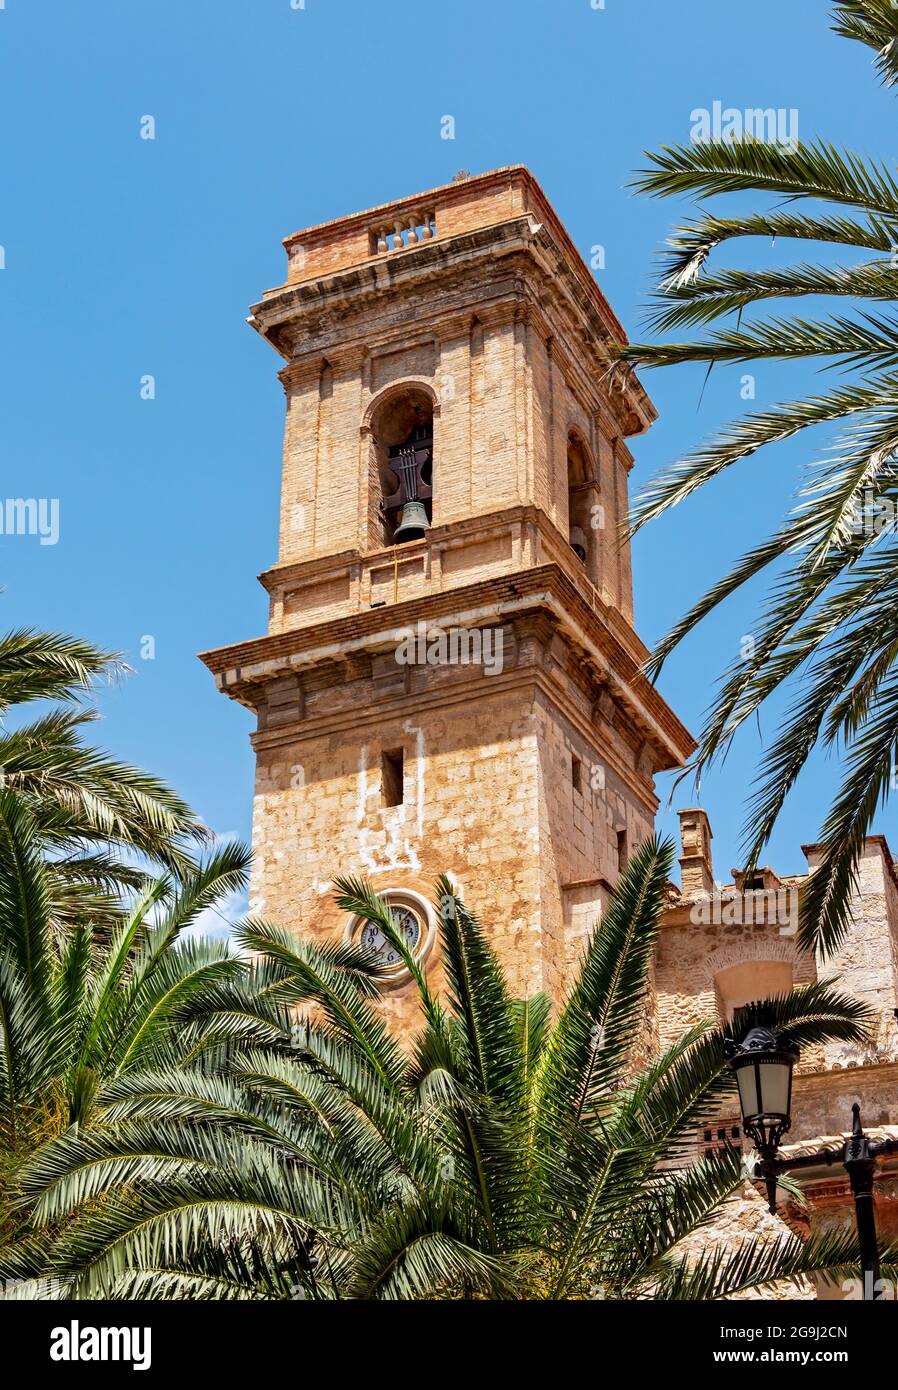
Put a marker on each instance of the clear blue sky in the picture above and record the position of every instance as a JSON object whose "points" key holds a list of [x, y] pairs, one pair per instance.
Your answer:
{"points": [[127, 257]]}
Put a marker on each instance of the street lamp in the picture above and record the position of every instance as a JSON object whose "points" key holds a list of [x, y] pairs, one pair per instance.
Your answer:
{"points": [[763, 1063]]}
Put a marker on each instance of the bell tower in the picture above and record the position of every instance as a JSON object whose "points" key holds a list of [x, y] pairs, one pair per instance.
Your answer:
{"points": [[451, 680]]}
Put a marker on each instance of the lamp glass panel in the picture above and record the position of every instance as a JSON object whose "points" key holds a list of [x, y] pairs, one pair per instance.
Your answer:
{"points": [[748, 1091], [775, 1087]]}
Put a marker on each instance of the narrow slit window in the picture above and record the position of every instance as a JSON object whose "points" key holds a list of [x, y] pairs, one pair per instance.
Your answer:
{"points": [[393, 776], [622, 850], [576, 774]]}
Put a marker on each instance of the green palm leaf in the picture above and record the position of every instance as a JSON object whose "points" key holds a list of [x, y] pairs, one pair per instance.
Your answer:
{"points": [[874, 23], [227, 1147], [829, 621]]}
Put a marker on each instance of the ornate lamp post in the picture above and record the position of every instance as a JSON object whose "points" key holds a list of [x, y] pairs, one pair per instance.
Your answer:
{"points": [[763, 1063]]}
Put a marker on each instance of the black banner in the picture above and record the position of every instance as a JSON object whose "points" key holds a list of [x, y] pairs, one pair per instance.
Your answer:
{"points": [[302, 1338]]}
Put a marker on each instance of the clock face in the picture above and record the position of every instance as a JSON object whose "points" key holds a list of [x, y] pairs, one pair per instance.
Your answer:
{"points": [[373, 939]]}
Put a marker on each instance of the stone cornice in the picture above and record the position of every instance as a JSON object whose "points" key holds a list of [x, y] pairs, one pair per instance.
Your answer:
{"points": [[239, 666], [558, 292], [336, 289], [822, 1076], [452, 534], [392, 704], [302, 370]]}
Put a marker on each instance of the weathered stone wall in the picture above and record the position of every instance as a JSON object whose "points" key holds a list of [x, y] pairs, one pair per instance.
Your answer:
{"points": [[693, 953], [823, 1099], [488, 798], [319, 810], [866, 961], [706, 940], [489, 376]]}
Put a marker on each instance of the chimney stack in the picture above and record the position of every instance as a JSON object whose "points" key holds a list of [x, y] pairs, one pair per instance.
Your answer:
{"points": [[695, 862]]}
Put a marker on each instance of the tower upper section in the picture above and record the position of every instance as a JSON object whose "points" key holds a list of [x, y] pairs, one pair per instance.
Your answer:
{"points": [[451, 346]]}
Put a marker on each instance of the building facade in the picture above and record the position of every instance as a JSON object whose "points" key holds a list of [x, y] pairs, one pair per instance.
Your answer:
{"points": [[451, 680], [722, 945]]}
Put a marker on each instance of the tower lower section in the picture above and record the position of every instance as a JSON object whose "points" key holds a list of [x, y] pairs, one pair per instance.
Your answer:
{"points": [[507, 741]]}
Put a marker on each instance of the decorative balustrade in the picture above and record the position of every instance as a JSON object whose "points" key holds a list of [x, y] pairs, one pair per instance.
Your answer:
{"points": [[400, 233]]}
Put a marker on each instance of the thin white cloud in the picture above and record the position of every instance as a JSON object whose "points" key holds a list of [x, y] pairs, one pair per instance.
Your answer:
{"points": [[219, 921]]}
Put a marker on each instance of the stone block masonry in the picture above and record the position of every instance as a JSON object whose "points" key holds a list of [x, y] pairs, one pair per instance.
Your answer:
{"points": [[465, 313], [464, 320]]}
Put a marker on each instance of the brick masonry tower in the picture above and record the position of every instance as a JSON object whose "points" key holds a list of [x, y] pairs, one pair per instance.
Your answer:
{"points": [[450, 680]]}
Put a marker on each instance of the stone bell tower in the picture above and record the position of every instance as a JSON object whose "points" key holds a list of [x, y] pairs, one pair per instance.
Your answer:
{"points": [[451, 679]]}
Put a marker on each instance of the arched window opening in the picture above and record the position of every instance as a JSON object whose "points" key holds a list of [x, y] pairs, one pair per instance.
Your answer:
{"points": [[580, 496], [402, 430], [738, 985]]}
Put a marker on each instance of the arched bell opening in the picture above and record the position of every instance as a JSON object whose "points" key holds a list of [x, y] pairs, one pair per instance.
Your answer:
{"points": [[402, 466], [581, 493]]}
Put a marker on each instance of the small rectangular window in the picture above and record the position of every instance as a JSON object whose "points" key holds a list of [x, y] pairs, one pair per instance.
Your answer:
{"points": [[576, 774], [726, 1136], [392, 769], [622, 850]]}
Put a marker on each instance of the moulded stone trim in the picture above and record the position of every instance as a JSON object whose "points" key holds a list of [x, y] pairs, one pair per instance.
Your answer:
{"points": [[745, 951], [396, 388]]}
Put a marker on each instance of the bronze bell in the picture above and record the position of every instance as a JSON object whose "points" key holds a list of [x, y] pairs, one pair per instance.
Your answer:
{"points": [[412, 523], [410, 462], [578, 542]]}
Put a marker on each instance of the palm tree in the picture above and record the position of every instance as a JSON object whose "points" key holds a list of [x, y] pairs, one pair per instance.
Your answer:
{"points": [[99, 820], [504, 1156], [78, 1013], [830, 628]]}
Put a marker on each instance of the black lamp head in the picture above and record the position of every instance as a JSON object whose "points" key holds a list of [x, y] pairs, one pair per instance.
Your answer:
{"points": [[763, 1060]]}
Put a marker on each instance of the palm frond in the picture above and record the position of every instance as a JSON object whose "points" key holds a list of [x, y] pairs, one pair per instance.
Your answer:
{"points": [[759, 1264], [594, 1033], [817, 170], [874, 23]]}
